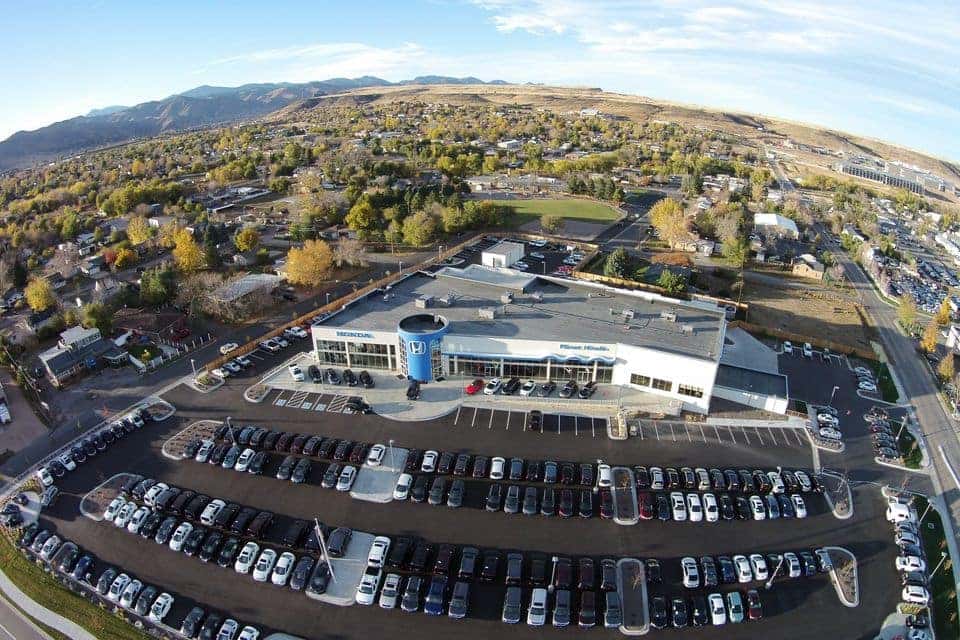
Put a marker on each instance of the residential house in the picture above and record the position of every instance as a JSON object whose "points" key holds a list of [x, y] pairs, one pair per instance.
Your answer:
{"points": [[40, 319], [77, 350], [92, 265], [776, 225], [807, 266]]}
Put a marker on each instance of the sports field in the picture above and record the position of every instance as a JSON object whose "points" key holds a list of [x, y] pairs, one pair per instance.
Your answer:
{"points": [[572, 209]]}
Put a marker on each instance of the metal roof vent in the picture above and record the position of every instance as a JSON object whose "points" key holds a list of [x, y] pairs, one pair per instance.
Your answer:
{"points": [[686, 328], [487, 313], [506, 298], [628, 314], [669, 316], [537, 296]]}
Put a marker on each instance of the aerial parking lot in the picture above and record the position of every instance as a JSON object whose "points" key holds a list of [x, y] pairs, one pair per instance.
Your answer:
{"points": [[529, 530]]}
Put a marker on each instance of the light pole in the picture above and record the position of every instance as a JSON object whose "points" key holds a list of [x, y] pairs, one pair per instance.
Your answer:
{"points": [[943, 557], [393, 465], [328, 297], [230, 430], [774, 575], [194, 367], [439, 251], [323, 548], [553, 574], [835, 387], [401, 268]]}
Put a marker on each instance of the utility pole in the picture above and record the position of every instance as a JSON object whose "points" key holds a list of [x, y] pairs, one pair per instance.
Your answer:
{"points": [[323, 547], [943, 558]]}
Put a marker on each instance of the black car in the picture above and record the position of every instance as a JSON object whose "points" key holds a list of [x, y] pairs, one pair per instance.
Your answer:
{"points": [[286, 468], [641, 478], [330, 476], [399, 550], [260, 524], [210, 627], [494, 497], [301, 572], [209, 547], [243, 438], [672, 478], [568, 389], [242, 520], [338, 541], [566, 503], [461, 465], [314, 374], [106, 579], [298, 443], [608, 575], [196, 506], [586, 475], [678, 612], [301, 471], [89, 447], [418, 492], [654, 572], [480, 466], [166, 498], [437, 490], [717, 481], [78, 454], [284, 441], [141, 488], [226, 515], [746, 481], [327, 445], [349, 378], [744, 512], [548, 504], [191, 624], [129, 484], [83, 569], [533, 471], [228, 552], [149, 527], [413, 390], [468, 563], [658, 612], [444, 559], [455, 496], [191, 448], [732, 480], [490, 566], [586, 504], [219, 453], [511, 386], [698, 611], [587, 390], [257, 462], [663, 507], [270, 440], [166, 530], [319, 579], [445, 465], [192, 544], [332, 376], [567, 473], [546, 388], [516, 469], [366, 380], [727, 571], [421, 556]]}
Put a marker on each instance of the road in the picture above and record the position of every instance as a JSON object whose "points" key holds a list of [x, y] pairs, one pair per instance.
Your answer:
{"points": [[13, 626], [916, 379]]}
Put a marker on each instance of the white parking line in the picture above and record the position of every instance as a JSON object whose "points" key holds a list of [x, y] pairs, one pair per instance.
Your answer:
{"points": [[760, 437], [593, 427], [717, 431], [576, 426], [558, 424], [490, 423], [640, 431], [457, 417], [687, 429], [703, 434], [509, 413], [474, 421], [657, 429], [773, 437], [796, 434], [732, 437]]}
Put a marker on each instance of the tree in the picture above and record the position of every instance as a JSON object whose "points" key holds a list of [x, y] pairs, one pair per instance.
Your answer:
{"points": [[673, 283], [186, 252], [70, 225], [124, 259], [617, 264], [39, 294], [907, 312], [98, 315], [247, 239], [157, 286], [552, 225], [691, 185], [929, 340], [736, 250], [668, 218], [419, 229], [364, 219], [350, 252], [943, 314], [139, 230], [309, 265], [20, 274], [946, 368]]}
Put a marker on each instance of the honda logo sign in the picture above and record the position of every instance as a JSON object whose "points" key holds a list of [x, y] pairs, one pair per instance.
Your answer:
{"points": [[418, 348]]}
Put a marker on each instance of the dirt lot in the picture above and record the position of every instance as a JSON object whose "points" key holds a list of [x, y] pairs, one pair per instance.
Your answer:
{"points": [[808, 310]]}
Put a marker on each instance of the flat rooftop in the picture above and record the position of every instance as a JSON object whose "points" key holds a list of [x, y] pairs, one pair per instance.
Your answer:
{"points": [[752, 380], [543, 308]]}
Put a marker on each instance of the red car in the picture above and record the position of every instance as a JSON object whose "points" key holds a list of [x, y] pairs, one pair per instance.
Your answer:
{"points": [[474, 387], [606, 504], [645, 503]]}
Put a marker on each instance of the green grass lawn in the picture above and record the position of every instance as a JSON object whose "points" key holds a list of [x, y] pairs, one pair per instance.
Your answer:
{"points": [[942, 587], [46, 591], [570, 208]]}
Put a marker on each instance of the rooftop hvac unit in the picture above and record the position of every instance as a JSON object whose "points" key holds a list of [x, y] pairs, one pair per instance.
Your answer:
{"points": [[506, 298], [686, 328], [628, 314], [669, 316], [537, 296], [424, 302], [447, 300], [487, 313]]}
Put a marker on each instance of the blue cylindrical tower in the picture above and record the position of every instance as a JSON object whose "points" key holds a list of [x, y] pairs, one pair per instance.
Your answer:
{"points": [[421, 336]]}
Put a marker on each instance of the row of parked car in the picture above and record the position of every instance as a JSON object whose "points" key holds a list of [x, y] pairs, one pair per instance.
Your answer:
{"points": [[911, 562], [126, 591], [91, 445], [709, 507], [884, 435], [530, 388], [699, 611], [331, 376], [707, 572]]}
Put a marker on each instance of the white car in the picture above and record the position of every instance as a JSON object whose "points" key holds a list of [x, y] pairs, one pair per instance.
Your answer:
{"points": [[203, 453], [742, 566], [867, 386], [390, 592], [862, 371], [135, 419], [44, 476], [220, 372], [497, 465], [493, 385], [249, 633], [246, 558], [261, 571], [402, 490], [910, 563], [124, 515], [429, 463], [281, 572], [67, 462], [347, 476], [757, 508], [136, 521], [710, 508], [369, 583], [915, 595], [270, 346], [718, 611], [296, 332], [799, 505], [678, 507], [776, 481], [282, 342], [830, 433], [528, 387], [537, 612], [792, 563], [296, 373], [804, 480], [179, 536], [50, 547], [808, 349], [211, 511], [604, 475], [227, 348], [243, 460], [228, 629], [759, 566], [691, 573], [787, 346], [378, 552], [232, 367], [129, 595], [113, 509], [116, 588], [161, 607], [150, 497], [375, 457], [828, 419], [694, 507]]}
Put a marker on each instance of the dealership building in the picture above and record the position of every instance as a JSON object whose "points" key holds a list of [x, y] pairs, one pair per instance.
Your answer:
{"points": [[484, 321]]}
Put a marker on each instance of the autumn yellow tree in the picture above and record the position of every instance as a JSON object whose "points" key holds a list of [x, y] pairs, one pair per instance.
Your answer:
{"points": [[946, 368], [138, 230], [310, 264], [247, 239], [668, 218], [39, 294], [943, 314], [125, 259], [929, 340], [187, 252]]}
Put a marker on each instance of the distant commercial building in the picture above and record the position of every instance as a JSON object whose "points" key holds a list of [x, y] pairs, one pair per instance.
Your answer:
{"points": [[881, 175], [776, 225]]}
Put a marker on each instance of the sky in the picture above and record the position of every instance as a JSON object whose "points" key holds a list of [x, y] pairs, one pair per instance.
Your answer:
{"points": [[882, 69]]}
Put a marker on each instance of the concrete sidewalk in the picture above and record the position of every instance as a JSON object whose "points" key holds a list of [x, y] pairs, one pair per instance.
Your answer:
{"points": [[54, 620]]}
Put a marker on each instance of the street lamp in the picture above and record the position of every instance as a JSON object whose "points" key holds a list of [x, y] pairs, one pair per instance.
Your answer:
{"points": [[401, 267], [328, 297], [553, 574], [194, 367], [835, 387], [323, 548], [393, 465]]}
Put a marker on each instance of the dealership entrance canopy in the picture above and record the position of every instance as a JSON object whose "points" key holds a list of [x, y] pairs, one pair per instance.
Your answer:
{"points": [[483, 322]]}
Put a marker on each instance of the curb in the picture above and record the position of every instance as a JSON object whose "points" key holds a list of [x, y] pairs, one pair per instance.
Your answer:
{"points": [[833, 509], [836, 582]]}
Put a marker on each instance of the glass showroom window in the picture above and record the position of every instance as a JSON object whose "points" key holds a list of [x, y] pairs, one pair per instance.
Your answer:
{"points": [[331, 352], [364, 355], [688, 390], [477, 367], [525, 369], [639, 380], [662, 385]]}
